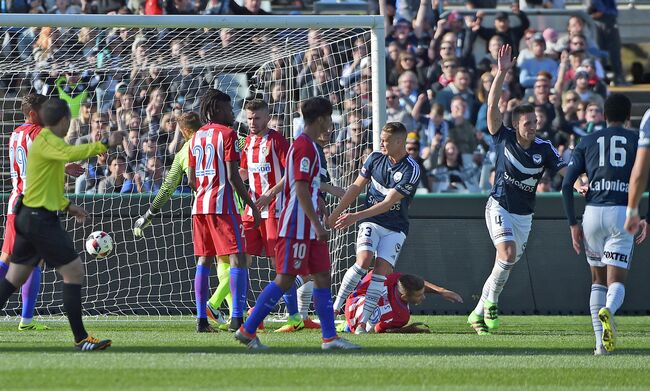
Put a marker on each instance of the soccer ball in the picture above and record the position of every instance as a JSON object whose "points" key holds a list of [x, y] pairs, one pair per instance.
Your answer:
{"points": [[99, 244]]}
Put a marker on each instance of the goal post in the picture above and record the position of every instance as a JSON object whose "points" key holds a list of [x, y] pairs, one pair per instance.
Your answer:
{"points": [[137, 74]]}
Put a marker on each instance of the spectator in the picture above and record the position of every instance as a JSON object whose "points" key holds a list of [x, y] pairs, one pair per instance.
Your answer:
{"points": [[154, 176], [115, 182], [605, 14], [578, 44], [251, 7], [352, 71], [489, 60], [98, 129], [396, 113], [511, 35], [539, 63], [80, 126], [449, 68], [481, 95], [406, 62], [413, 149], [403, 35], [541, 95], [584, 90], [408, 90], [435, 131], [460, 130], [454, 31], [527, 52], [459, 87], [96, 169], [154, 111], [449, 174], [74, 89]]}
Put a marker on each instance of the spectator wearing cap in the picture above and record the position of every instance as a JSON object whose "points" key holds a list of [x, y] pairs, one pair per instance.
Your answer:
{"points": [[511, 35], [605, 15], [461, 86], [396, 113], [540, 63], [583, 88], [595, 84], [403, 35]]}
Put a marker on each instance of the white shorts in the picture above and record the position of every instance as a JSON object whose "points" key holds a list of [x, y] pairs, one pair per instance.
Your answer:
{"points": [[384, 243], [606, 241], [507, 227]]}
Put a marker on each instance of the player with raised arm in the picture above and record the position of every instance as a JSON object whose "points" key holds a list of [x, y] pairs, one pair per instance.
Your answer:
{"points": [[391, 177], [607, 157], [217, 229], [188, 124], [302, 240], [19, 142], [39, 234], [520, 163], [393, 313]]}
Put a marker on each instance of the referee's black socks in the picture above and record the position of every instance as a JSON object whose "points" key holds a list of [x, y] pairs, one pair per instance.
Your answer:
{"points": [[6, 290], [72, 307]]}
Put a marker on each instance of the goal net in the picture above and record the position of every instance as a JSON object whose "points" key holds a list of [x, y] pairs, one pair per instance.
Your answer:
{"points": [[136, 75]]}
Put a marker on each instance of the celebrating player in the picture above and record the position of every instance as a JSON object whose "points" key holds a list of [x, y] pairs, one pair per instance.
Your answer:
{"points": [[393, 313], [302, 244], [19, 142], [39, 234], [391, 177], [520, 163], [217, 226], [607, 157]]}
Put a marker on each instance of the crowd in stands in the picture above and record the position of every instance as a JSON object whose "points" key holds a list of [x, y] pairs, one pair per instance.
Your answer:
{"points": [[140, 81]]}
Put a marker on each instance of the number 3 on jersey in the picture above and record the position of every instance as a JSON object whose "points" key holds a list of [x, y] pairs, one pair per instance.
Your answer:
{"points": [[617, 153], [199, 152]]}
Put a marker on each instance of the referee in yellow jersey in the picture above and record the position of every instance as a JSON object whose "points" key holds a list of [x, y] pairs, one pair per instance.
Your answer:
{"points": [[39, 234]]}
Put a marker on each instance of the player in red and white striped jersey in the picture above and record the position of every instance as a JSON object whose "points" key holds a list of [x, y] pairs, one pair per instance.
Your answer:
{"points": [[302, 243], [217, 226], [19, 142]]}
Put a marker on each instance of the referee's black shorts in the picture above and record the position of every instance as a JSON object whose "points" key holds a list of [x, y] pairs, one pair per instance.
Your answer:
{"points": [[39, 235]]}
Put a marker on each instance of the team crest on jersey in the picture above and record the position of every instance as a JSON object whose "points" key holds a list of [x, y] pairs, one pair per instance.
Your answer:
{"points": [[264, 151], [304, 165], [537, 158], [397, 176], [296, 263]]}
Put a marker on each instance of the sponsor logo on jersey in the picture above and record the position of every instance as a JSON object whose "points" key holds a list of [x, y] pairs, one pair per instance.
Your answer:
{"points": [[397, 176], [259, 167], [537, 158], [264, 151], [614, 256], [304, 165], [528, 185], [605, 185]]}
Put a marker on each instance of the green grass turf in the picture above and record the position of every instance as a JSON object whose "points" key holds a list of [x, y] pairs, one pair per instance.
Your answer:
{"points": [[531, 352]]}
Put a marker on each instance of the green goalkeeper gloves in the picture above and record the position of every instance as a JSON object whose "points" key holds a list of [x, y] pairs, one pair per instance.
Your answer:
{"points": [[141, 223]]}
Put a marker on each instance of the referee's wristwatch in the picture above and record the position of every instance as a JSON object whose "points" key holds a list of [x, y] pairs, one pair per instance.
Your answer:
{"points": [[105, 142]]}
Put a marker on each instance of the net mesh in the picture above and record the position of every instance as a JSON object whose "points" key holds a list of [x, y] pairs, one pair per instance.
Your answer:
{"points": [[138, 81]]}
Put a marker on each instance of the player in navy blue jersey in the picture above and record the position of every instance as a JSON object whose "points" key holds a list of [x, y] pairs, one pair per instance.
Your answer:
{"points": [[391, 178], [606, 156], [520, 163]]}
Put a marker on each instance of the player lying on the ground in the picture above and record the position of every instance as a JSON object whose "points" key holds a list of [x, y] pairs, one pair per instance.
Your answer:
{"points": [[393, 313], [188, 124], [39, 234], [607, 157], [302, 239], [521, 160], [391, 177], [217, 226]]}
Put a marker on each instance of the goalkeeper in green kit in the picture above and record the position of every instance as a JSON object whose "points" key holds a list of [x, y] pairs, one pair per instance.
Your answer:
{"points": [[189, 123]]}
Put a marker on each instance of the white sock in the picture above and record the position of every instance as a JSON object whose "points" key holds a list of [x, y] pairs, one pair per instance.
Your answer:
{"points": [[596, 302], [350, 281], [615, 296], [494, 284], [304, 298], [25, 321], [375, 289]]}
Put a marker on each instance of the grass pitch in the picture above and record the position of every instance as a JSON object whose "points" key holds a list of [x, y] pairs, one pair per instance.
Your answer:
{"points": [[530, 352]]}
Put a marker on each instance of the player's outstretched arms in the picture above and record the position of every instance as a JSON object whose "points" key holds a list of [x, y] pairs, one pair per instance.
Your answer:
{"points": [[232, 169], [333, 190], [384, 206], [349, 196], [444, 292], [504, 63]]}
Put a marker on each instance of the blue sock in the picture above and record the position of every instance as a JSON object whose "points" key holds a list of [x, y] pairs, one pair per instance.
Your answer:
{"points": [[325, 311], [29, 293], [239, 290], [4, 267], [201, 290], [264, 304], [291, 300]]}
